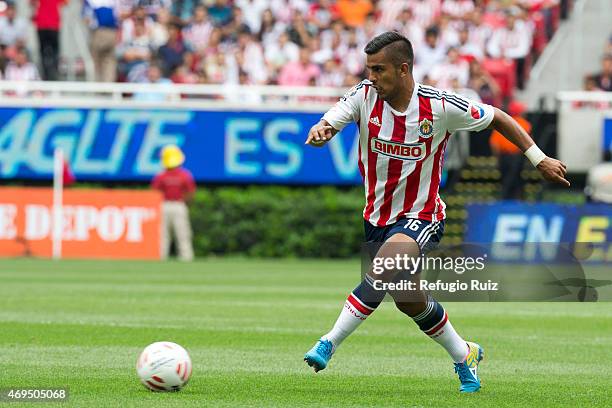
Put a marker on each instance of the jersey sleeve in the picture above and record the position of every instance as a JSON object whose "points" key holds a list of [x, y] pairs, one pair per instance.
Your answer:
{"points": [[347, 109], [466, 114]]}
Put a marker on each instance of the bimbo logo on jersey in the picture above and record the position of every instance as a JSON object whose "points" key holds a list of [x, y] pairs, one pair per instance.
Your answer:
{"points": [[401, 151]]}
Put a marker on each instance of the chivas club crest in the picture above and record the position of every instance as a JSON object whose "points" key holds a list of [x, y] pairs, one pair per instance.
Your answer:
{"points": [[425, 128]]}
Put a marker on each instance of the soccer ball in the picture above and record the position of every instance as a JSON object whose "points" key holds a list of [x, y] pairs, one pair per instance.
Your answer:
{"points": [[164, 366]]}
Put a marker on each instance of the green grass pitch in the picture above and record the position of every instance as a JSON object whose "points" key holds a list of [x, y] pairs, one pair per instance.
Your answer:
{"points": [[247, 324]]}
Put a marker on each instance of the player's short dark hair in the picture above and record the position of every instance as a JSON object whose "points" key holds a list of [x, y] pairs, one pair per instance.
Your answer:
{"points": [[397, 48]]}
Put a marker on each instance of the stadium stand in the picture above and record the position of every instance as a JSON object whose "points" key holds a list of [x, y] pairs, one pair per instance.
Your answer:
{"points": [[602, 80], [319, 41], [599, 81]]}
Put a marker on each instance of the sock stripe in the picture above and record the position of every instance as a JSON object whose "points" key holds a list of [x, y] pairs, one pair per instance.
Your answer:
{"points": [[353, 300], [362, 303], [365, 294], [431, 317], [438, 326], [425, 313], [369, 280]]}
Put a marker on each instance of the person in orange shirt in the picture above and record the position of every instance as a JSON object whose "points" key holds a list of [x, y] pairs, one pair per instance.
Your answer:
{"points": [[510, 157], [354, 12]]}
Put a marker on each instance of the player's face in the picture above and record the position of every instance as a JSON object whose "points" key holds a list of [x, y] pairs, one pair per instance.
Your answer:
{"points": [[385, 76]]}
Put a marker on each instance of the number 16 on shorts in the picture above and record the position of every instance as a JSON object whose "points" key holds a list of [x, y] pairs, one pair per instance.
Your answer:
{"points": [[413, 224]]}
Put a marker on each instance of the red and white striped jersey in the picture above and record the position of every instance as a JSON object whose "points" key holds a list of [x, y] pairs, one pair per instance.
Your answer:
{"points": [[401, 154]]}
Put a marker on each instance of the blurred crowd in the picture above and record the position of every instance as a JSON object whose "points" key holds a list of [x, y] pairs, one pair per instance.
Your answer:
{"points": [[15, 63], [483, 45], [602, 80]]}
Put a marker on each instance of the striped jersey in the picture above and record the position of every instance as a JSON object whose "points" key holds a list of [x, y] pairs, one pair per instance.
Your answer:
{"points": [[401, 154]]}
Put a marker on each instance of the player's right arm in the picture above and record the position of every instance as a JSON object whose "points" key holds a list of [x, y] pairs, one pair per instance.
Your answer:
{"points": [[320, 134], [345, 111]]}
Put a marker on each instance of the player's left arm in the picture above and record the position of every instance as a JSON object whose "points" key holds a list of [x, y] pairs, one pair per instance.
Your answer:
{"points": [[552, 169]]}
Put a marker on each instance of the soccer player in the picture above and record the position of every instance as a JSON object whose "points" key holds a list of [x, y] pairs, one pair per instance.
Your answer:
{"points": [[403, 129]]}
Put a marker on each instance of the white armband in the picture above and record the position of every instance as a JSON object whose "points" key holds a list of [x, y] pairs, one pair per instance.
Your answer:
{"points": [[535, 155]]}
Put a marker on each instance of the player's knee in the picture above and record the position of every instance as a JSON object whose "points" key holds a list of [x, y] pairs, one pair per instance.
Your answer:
{"points": [[401, 249]]}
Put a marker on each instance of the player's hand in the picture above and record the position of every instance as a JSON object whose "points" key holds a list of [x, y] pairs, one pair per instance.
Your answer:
{"points": [[554, 171], [319, 134]]}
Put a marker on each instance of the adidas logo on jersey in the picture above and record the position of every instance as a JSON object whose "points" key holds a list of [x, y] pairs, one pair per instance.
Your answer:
{"points": [[401, 151], [375, 121]]}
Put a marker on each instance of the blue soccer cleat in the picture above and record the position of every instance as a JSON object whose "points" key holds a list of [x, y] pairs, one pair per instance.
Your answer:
{"points": [[318, 356], [468, 370]]}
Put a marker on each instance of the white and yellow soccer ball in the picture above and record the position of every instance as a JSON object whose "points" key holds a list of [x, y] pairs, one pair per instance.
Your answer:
{"points": [[164, 366]]}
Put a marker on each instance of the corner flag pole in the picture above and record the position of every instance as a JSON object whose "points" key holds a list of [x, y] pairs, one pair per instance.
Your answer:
{"points": [[58, 186]]}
